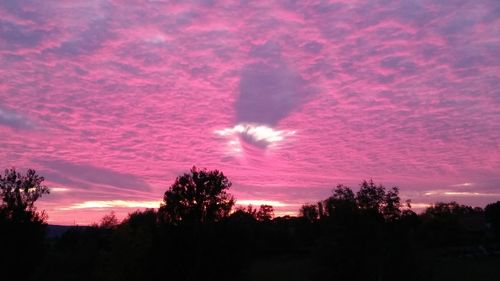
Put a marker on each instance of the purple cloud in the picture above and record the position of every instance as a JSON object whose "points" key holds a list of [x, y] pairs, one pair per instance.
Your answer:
{"points": [[288, 98]]}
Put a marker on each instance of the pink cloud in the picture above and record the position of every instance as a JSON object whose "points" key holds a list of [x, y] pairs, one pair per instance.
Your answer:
{"points": [[126, 97]]}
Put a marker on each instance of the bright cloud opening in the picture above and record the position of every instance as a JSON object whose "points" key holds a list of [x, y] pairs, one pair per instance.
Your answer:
{"points": [[256, 132]]}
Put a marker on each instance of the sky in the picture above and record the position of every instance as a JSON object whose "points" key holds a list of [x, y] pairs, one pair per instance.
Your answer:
{"points": [[110, 101]]}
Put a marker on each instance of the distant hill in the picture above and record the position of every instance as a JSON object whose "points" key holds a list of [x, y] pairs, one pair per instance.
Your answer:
{"points": [[55, 231]]}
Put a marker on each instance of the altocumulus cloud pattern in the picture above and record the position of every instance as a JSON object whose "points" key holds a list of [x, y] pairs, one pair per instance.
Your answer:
{"points": [[110, 101]]}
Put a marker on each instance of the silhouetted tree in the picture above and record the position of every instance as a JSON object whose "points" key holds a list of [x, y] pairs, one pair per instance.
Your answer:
{"points": [[364, 237], [19, 194], [447, 210], [191, 214], [492, 213], [22, 227], [199, 196], [248, 210], [109, 221], [132, 248], [371, 197], [367, 235], [77, 254], [265, 213], [309, 212], [341, 206], [443, 224], [392, 205]]}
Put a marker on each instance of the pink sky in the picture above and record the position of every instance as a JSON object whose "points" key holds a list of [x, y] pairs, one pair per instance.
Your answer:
{"points": [[111, 100]]}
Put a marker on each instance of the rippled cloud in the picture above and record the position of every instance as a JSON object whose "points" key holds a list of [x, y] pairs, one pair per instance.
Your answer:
{"points": [[289, 98]]}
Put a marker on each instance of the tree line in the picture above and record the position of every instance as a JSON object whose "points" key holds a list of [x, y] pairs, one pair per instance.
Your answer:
{"points": [[198, 234]]}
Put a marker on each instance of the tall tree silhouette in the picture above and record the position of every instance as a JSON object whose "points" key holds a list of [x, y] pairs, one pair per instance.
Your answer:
{"points": [[341, 204], [364, 230], [370, 196], [199, 196], [19, 193], [22, 227], [189, 215], [492, 213], [309, 212], [265, 213], [443, 224]]}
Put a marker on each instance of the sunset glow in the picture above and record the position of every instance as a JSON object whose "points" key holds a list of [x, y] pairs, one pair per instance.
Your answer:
{"points": [[113, 204]]}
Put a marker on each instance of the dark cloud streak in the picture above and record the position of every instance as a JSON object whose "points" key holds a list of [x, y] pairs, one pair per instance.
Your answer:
{"points": [[70, 173]]}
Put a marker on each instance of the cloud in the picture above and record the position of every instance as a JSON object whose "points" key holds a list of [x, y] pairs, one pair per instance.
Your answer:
{"points": [[460, 193], [14, 120], [59, 189], [112, 204], [256, 134], [87, 42], [261, 202], [129, 95], [269, 90], [74, 173], [17, 36], [420, 206], [465, 184], [268, 94]]}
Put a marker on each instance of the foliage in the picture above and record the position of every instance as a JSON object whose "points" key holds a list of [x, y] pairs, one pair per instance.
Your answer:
{"points": [[366, 230], [109, 221], [309, 212], [447, 210], [342, 203], [19, 193], [363, 235], [265, 213], [492, 213], [22, 228], [370, 196], [197, 197], [241, 214], [444, 224]]}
